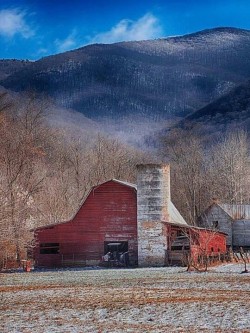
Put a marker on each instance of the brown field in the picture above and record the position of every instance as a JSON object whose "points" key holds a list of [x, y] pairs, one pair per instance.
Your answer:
{"points": [[125, 300]]}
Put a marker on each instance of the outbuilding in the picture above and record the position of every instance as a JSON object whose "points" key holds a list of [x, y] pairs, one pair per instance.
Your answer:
{"points": [[232, 219], [194, 244]]}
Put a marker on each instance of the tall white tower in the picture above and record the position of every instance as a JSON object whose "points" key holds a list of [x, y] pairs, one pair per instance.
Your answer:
{"points": [[153, 200]]}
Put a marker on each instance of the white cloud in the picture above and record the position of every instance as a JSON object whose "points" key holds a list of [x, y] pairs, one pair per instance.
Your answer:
{"points": [[68, 43], [42, 51], [12, 22], [147, 27]]}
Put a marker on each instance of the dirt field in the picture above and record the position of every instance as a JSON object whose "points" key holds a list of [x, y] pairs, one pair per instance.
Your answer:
{"points": [[125, 300]]}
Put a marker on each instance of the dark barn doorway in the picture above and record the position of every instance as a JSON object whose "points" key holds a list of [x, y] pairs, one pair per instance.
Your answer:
{"points": [[119, 247], [117, 253]]}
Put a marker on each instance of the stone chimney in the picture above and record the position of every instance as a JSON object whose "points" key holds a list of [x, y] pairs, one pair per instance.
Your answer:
{"points": [[153, 197]]}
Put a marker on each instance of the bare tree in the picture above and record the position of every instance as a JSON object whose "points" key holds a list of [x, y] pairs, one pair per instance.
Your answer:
{"points": [[186, 155], [20, 149], [230, 168]]}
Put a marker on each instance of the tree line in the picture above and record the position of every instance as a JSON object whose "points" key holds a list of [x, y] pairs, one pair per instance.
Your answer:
{"points": [[202, 170]]}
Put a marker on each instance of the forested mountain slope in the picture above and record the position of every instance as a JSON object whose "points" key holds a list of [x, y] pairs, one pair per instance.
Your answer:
{"points": [[156, 79], [228, 112]]}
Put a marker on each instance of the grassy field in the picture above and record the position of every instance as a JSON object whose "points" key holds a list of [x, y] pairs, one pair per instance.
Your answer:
{"points": [[125, 300]]}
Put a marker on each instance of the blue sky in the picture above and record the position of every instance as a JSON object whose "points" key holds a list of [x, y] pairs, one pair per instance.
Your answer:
{"points": [[31, 29]]}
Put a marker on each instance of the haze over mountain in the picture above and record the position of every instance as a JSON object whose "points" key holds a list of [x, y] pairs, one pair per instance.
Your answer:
{"points": [[144, 81]]}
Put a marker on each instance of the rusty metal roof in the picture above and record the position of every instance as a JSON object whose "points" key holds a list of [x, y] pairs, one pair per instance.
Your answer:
{"points": [[237, 212]]}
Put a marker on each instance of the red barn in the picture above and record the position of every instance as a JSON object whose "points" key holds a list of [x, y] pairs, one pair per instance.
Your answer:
{"points": [[107, 220], [199, 244]]}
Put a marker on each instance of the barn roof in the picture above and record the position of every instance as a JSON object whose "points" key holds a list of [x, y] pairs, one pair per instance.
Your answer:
{"points": [[236, 212], [124, 183], [188, 226], [175, 215], [96, 186], [82, 202]]}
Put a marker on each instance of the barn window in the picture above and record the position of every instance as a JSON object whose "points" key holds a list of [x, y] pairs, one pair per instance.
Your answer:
{"points": [[49, 248], [215, 224]]}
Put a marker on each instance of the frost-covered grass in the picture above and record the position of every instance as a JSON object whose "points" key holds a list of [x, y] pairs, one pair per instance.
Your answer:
{"points": [[126, 300]]}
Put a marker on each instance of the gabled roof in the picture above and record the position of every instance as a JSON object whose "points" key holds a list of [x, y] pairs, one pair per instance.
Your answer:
{"points": [[82, 202], [123, 183], [96, 186], [236, 212]]}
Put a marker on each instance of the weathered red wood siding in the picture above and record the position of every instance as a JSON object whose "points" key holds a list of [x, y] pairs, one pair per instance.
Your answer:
{"points": [[212, 242], [203, 242], [108, 214]]}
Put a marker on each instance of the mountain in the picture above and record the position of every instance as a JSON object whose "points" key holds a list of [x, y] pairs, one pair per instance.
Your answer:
{"points": [[144, 80], [11, 66], [230, 111]]}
